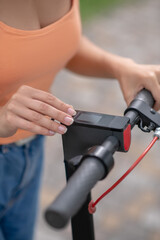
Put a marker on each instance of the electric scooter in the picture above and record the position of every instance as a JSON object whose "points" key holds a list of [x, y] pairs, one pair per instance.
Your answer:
{"points": [[89, 145]]}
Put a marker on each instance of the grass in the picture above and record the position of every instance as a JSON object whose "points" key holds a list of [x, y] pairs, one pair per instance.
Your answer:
{"points": [[90, 8]]}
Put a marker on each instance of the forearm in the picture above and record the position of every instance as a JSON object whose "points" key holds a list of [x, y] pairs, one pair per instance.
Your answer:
{"points": [[93, 61]]}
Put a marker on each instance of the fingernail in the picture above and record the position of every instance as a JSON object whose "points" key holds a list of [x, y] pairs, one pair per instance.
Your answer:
{"points": [[62, 129], [68, 120], [71, 111], [51, 133]]}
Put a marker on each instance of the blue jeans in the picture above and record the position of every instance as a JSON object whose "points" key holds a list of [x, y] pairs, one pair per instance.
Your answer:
{"points": [[20, 174]]}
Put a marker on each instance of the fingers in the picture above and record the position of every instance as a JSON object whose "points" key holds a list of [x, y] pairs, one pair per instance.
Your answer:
{"points": [[155, 69], [142, 77], [48, 98], [152, 83], [33, 109], [130, 89], [48, 110], [30, 126], [38, 119]]}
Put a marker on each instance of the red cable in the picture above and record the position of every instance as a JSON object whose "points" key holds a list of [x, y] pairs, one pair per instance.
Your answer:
{"points": [[91, 206]]}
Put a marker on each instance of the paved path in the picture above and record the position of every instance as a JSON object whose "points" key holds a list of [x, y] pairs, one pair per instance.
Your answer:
{"points": [[132, 211]]}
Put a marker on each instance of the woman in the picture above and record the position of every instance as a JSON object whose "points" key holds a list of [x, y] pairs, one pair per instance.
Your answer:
{"points": [[37, 39]]}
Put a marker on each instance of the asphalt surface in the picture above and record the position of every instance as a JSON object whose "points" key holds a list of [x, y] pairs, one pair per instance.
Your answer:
{"points": [[132, 211]]}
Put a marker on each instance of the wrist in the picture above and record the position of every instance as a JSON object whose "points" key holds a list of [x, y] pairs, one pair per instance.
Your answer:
{"points": [[122, 66], [116, 66]]}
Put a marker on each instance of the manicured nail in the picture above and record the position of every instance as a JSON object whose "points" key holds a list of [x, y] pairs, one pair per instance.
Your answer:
{"points": [[62, 129], [68, 120], [71, 111], [51, 133]]}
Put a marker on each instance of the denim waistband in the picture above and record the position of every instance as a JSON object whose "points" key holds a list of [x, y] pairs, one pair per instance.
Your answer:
{"points": [[24, 141]]}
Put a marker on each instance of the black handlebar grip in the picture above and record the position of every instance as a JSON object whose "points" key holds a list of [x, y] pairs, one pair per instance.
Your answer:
{"points": [[146, 97], [74, 194], [143, 96]]}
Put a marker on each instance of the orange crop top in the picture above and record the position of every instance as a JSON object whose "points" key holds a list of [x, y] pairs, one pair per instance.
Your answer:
{"points": [[34, 57]]}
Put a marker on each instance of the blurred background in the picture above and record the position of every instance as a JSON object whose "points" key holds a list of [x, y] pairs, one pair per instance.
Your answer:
{"points": [[132, 211]]}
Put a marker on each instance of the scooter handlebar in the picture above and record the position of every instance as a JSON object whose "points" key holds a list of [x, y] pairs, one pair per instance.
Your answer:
{"points": [[75, 193], [82, 181]]}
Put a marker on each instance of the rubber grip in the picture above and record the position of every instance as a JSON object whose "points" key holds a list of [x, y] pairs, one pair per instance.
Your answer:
{"points": [[146, 96], [74, 194]]}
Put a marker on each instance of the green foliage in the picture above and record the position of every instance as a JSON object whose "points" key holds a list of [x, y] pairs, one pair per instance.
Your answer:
{"points": [[90, 8]]}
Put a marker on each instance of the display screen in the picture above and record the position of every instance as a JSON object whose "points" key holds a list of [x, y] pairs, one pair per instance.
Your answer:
{"points": [[89, 117]]}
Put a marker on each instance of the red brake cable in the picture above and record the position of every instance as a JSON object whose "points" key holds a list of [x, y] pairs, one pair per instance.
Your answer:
{"points": [[92, 204]]}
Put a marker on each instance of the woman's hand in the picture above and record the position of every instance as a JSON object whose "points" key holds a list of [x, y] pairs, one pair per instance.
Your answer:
{"points": [[134, 77], [90, 60], [31, 109]]}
